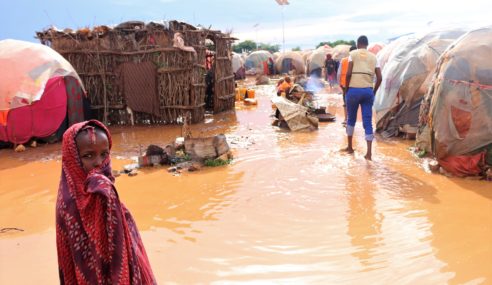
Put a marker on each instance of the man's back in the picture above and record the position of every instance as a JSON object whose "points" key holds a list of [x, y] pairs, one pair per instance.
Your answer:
{"points": [[364, 66]]}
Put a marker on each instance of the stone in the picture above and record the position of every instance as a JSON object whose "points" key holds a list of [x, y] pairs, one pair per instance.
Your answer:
{"points": [[206, 148], [20, 148], [172, 169], [223, 157], [132, 173], [195, 167], [34, 144]]}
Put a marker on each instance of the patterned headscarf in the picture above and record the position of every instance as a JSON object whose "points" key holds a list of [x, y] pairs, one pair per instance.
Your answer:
{"points": [[97, 239]]}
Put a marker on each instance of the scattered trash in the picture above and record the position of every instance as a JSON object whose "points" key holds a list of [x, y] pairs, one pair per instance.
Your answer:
{"points": [[434, 166], [129, 167], [4, 230], [250, 102]]}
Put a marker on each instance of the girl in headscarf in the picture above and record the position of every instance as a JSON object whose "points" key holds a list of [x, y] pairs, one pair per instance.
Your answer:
{"points": [[96, 237]]}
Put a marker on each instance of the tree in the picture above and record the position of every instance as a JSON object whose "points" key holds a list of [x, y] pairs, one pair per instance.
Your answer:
{"points": [[297, 48], [249, 46], [337, 42], [246, 45], [269, 47]]}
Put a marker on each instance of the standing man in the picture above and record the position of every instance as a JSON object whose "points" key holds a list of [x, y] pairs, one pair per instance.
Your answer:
{"points": [[362, 67], [342, 78]]}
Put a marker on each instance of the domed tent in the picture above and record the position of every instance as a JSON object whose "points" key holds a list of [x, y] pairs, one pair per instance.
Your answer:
{"points": [[238, 66], [375, 48], [290, 61], [276, 55], [254, 61], [305, 55], [316, 60], [456, 114], [340, 51], [406, 77], [384, 55], [40, 92]]}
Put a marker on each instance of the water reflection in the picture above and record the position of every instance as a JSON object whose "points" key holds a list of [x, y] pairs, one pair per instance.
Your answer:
{"points": [[364, 223]]}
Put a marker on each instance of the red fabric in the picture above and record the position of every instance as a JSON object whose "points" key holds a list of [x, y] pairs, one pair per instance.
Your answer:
{"points": [[40, 119], [462, 120], [464, 165], [96, 237]]}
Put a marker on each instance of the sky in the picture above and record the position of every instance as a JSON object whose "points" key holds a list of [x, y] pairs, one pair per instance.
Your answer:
{"points": [[306, 22]]}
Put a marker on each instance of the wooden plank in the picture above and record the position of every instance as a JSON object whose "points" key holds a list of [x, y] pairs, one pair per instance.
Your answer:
{"points": [[174, 69], [118, 52], [225, 97], [95, 73], [225, 78], [95, 107], [183, 107]]}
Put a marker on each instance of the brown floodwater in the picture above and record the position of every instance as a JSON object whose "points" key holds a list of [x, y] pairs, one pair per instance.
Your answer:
{"points": [[290, 209]]}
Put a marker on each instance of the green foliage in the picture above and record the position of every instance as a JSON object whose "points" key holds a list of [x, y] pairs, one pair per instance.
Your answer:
{"points": [[337, 42], [269, 47], [250, 46], [246, 45], [216, 162], [297, 48]]}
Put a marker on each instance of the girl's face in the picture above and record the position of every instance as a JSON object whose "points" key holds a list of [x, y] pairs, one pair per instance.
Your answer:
{"points": [[92, 151]]}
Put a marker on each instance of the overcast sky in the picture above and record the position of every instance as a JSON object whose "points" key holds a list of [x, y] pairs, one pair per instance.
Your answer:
{"points": [[307, 22]]}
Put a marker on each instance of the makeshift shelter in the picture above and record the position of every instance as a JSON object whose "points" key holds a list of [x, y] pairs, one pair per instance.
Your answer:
{"points": [[148, 73], [406, 77], [238, 66], [456, 114], [305, 55], [256, 61], [316, 60], [384, 55], [340, 51], [276, 55], [290, 61], [375, 48], [40, 92]]}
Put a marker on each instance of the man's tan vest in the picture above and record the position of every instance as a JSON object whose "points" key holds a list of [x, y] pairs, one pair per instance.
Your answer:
{"points": [[364, 64]]}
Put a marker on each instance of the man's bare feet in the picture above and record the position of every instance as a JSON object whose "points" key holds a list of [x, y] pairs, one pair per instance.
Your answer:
{"points": [[347, 150], [368, 157]]}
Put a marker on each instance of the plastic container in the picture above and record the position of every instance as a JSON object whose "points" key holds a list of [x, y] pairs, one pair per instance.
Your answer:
{"points": [[238, 95], [242, 92], [251, 94]]}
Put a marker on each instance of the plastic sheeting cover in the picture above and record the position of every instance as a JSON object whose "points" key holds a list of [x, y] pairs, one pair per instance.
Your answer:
{"points": [[290, 60], [25, 69], [458, 107], [317, 58], [408, 71], [255, 59]]}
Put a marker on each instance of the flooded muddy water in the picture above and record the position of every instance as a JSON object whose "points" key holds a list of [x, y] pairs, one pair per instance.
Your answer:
{"points": [[290, 209]]}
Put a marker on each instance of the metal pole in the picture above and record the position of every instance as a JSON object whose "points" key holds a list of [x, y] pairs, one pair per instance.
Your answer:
{"points": [[283, 30]]}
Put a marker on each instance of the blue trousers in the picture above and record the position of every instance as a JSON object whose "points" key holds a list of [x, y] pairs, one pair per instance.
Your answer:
{"points": [[365, 98]]}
